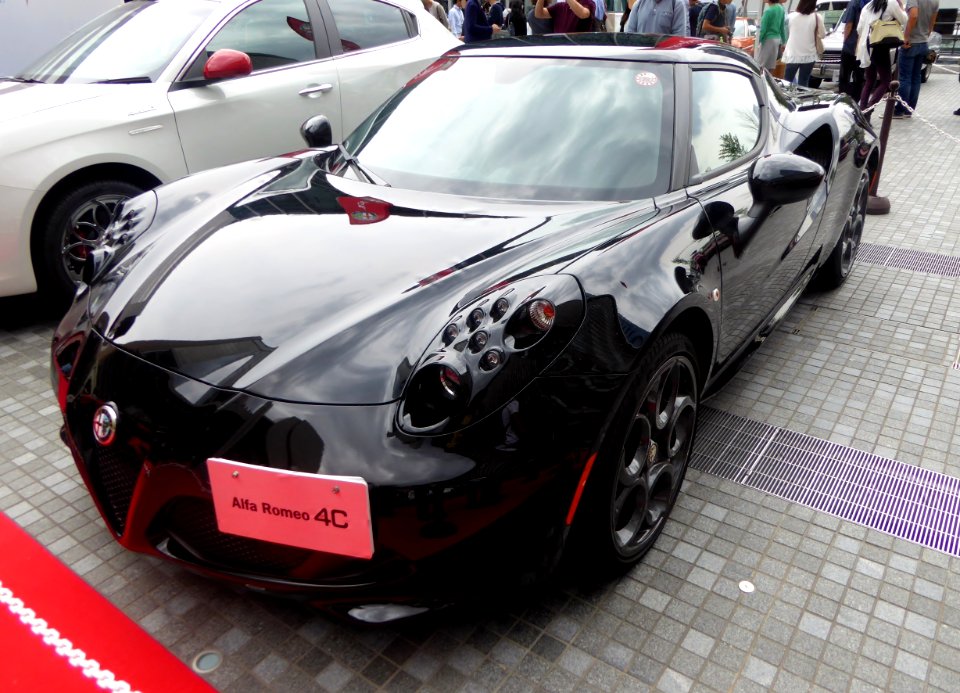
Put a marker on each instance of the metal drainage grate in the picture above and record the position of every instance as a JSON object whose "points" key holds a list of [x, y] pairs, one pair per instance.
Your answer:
{"points": [[896, 498], [916, 260]]}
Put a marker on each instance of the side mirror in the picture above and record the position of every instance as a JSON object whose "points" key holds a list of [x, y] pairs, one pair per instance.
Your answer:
{"points": [[781, 179], [317, 131], [227, 63]]}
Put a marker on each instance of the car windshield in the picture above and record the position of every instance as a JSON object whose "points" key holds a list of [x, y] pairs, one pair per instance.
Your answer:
{"points": [[525, 129], [133, 42]]}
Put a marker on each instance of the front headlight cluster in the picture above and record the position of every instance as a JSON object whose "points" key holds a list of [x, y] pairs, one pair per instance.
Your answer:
{"points": [[489, 351], [132, 218]]}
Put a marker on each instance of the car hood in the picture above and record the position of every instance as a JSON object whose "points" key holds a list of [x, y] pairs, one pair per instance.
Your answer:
{"points": [[19, 100], [313, 288]]}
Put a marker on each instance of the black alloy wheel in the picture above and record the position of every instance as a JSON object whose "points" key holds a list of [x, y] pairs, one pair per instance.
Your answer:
{"points": [[639, 478], [74, 227], [840, 263]]}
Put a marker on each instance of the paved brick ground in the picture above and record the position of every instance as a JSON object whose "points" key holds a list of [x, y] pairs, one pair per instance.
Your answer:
{"points": [[836, 606]]}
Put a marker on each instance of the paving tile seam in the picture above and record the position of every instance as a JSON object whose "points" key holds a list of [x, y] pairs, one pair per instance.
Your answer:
{"points": [[948, 361]]}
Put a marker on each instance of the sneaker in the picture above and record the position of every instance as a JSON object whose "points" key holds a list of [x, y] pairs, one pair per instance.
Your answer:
{"points": [[898, 116], [957, 112]]}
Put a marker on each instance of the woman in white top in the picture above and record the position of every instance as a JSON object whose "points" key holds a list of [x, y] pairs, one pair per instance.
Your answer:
{"points": [[800, 53], [877, 62]]}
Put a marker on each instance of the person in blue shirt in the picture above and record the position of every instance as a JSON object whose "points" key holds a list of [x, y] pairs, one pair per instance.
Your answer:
{"points": [[600, 14], [456, 18], [731, 11], [659, 17]]}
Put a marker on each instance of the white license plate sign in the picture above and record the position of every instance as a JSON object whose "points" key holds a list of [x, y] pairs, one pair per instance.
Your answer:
{"points": [[311, 511]]}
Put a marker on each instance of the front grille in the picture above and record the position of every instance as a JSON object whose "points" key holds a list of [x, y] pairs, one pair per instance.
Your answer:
{"points": [[114, 475], [830, 58], [192, 525]]}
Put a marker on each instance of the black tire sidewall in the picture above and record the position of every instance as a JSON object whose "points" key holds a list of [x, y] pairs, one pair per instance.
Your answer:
{"points": [[592, 537], [52, 279]]}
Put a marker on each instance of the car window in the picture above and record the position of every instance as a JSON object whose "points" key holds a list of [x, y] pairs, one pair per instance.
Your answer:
{"points": [[368, 23], [132, 42], [526, 129], [725, 119], [272, 32]]}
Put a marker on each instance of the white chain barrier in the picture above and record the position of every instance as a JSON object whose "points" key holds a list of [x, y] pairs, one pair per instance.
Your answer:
{"points": [[913, 113], [77, 658]]}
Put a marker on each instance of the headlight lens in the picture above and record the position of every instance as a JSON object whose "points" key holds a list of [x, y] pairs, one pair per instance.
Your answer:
{"points": [[133, 217], [494, 346]]}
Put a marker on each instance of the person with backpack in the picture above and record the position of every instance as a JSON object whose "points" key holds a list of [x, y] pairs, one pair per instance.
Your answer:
{"points": [[712, 23], [876, 59]]}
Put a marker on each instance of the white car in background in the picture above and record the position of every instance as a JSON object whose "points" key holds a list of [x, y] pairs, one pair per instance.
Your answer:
{"points": [[155, 89]]}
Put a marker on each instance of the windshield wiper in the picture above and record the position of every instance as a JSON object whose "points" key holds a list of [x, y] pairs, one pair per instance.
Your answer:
{"points": [[125, 80], [22, 80], [358, 168]]}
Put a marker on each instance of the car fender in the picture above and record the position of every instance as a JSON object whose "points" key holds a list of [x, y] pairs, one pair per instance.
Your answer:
{"points": [[643, 282], [42, 149]]}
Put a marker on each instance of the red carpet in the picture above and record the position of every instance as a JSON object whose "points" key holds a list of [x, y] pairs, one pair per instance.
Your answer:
{"points": [[102, 640]]}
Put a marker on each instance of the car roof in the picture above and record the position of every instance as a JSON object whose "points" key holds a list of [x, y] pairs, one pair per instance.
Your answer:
{"points": [[613, 46]]}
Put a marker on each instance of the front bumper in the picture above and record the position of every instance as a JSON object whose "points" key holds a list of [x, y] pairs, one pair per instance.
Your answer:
{"points": [[16, 268], [828, 68], [450, 514]]}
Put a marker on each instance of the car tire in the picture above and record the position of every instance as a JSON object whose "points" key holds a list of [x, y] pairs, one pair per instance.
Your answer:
{"points": [[75, 223], [638, 475], [838, 266], [814, 82]]}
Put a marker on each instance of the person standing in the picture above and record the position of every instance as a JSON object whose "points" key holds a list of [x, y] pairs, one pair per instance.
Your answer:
{"points": [[772, 35], [713, 21], [921, 17], [731, 16], [495, 15], [658, 17], [516, 22], [693, 14], [800, 53], [876, 63], [850, 81], [569, 16], [456, 18], [475, 24], [600, 15], [436, 9], [537, 25]]}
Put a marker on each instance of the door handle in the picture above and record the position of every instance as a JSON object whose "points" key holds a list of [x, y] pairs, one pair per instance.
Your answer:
{"points": [[319, 89]]}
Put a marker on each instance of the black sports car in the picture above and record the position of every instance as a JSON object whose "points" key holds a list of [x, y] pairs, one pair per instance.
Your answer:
{"points": [[471, 337]]}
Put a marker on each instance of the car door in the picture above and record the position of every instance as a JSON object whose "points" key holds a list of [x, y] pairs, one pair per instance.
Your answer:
{"points": [[377, 48], [763, 248], [259, 114]]}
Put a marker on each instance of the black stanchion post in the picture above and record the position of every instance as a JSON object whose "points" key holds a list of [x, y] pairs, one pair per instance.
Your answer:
{"points": [[875, 203]]}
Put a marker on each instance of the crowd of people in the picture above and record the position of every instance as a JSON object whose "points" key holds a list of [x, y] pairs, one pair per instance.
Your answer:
{"points": [[794, 38]]}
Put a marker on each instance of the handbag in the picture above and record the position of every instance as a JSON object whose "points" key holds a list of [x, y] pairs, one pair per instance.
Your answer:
{"points": [[818, 42], [886, 33]]}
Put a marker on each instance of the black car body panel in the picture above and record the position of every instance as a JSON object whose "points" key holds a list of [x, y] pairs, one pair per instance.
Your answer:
{"points": [[283, 313]]}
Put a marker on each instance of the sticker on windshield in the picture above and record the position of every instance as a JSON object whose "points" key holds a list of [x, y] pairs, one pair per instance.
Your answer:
{"points": [[646, 79]]}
